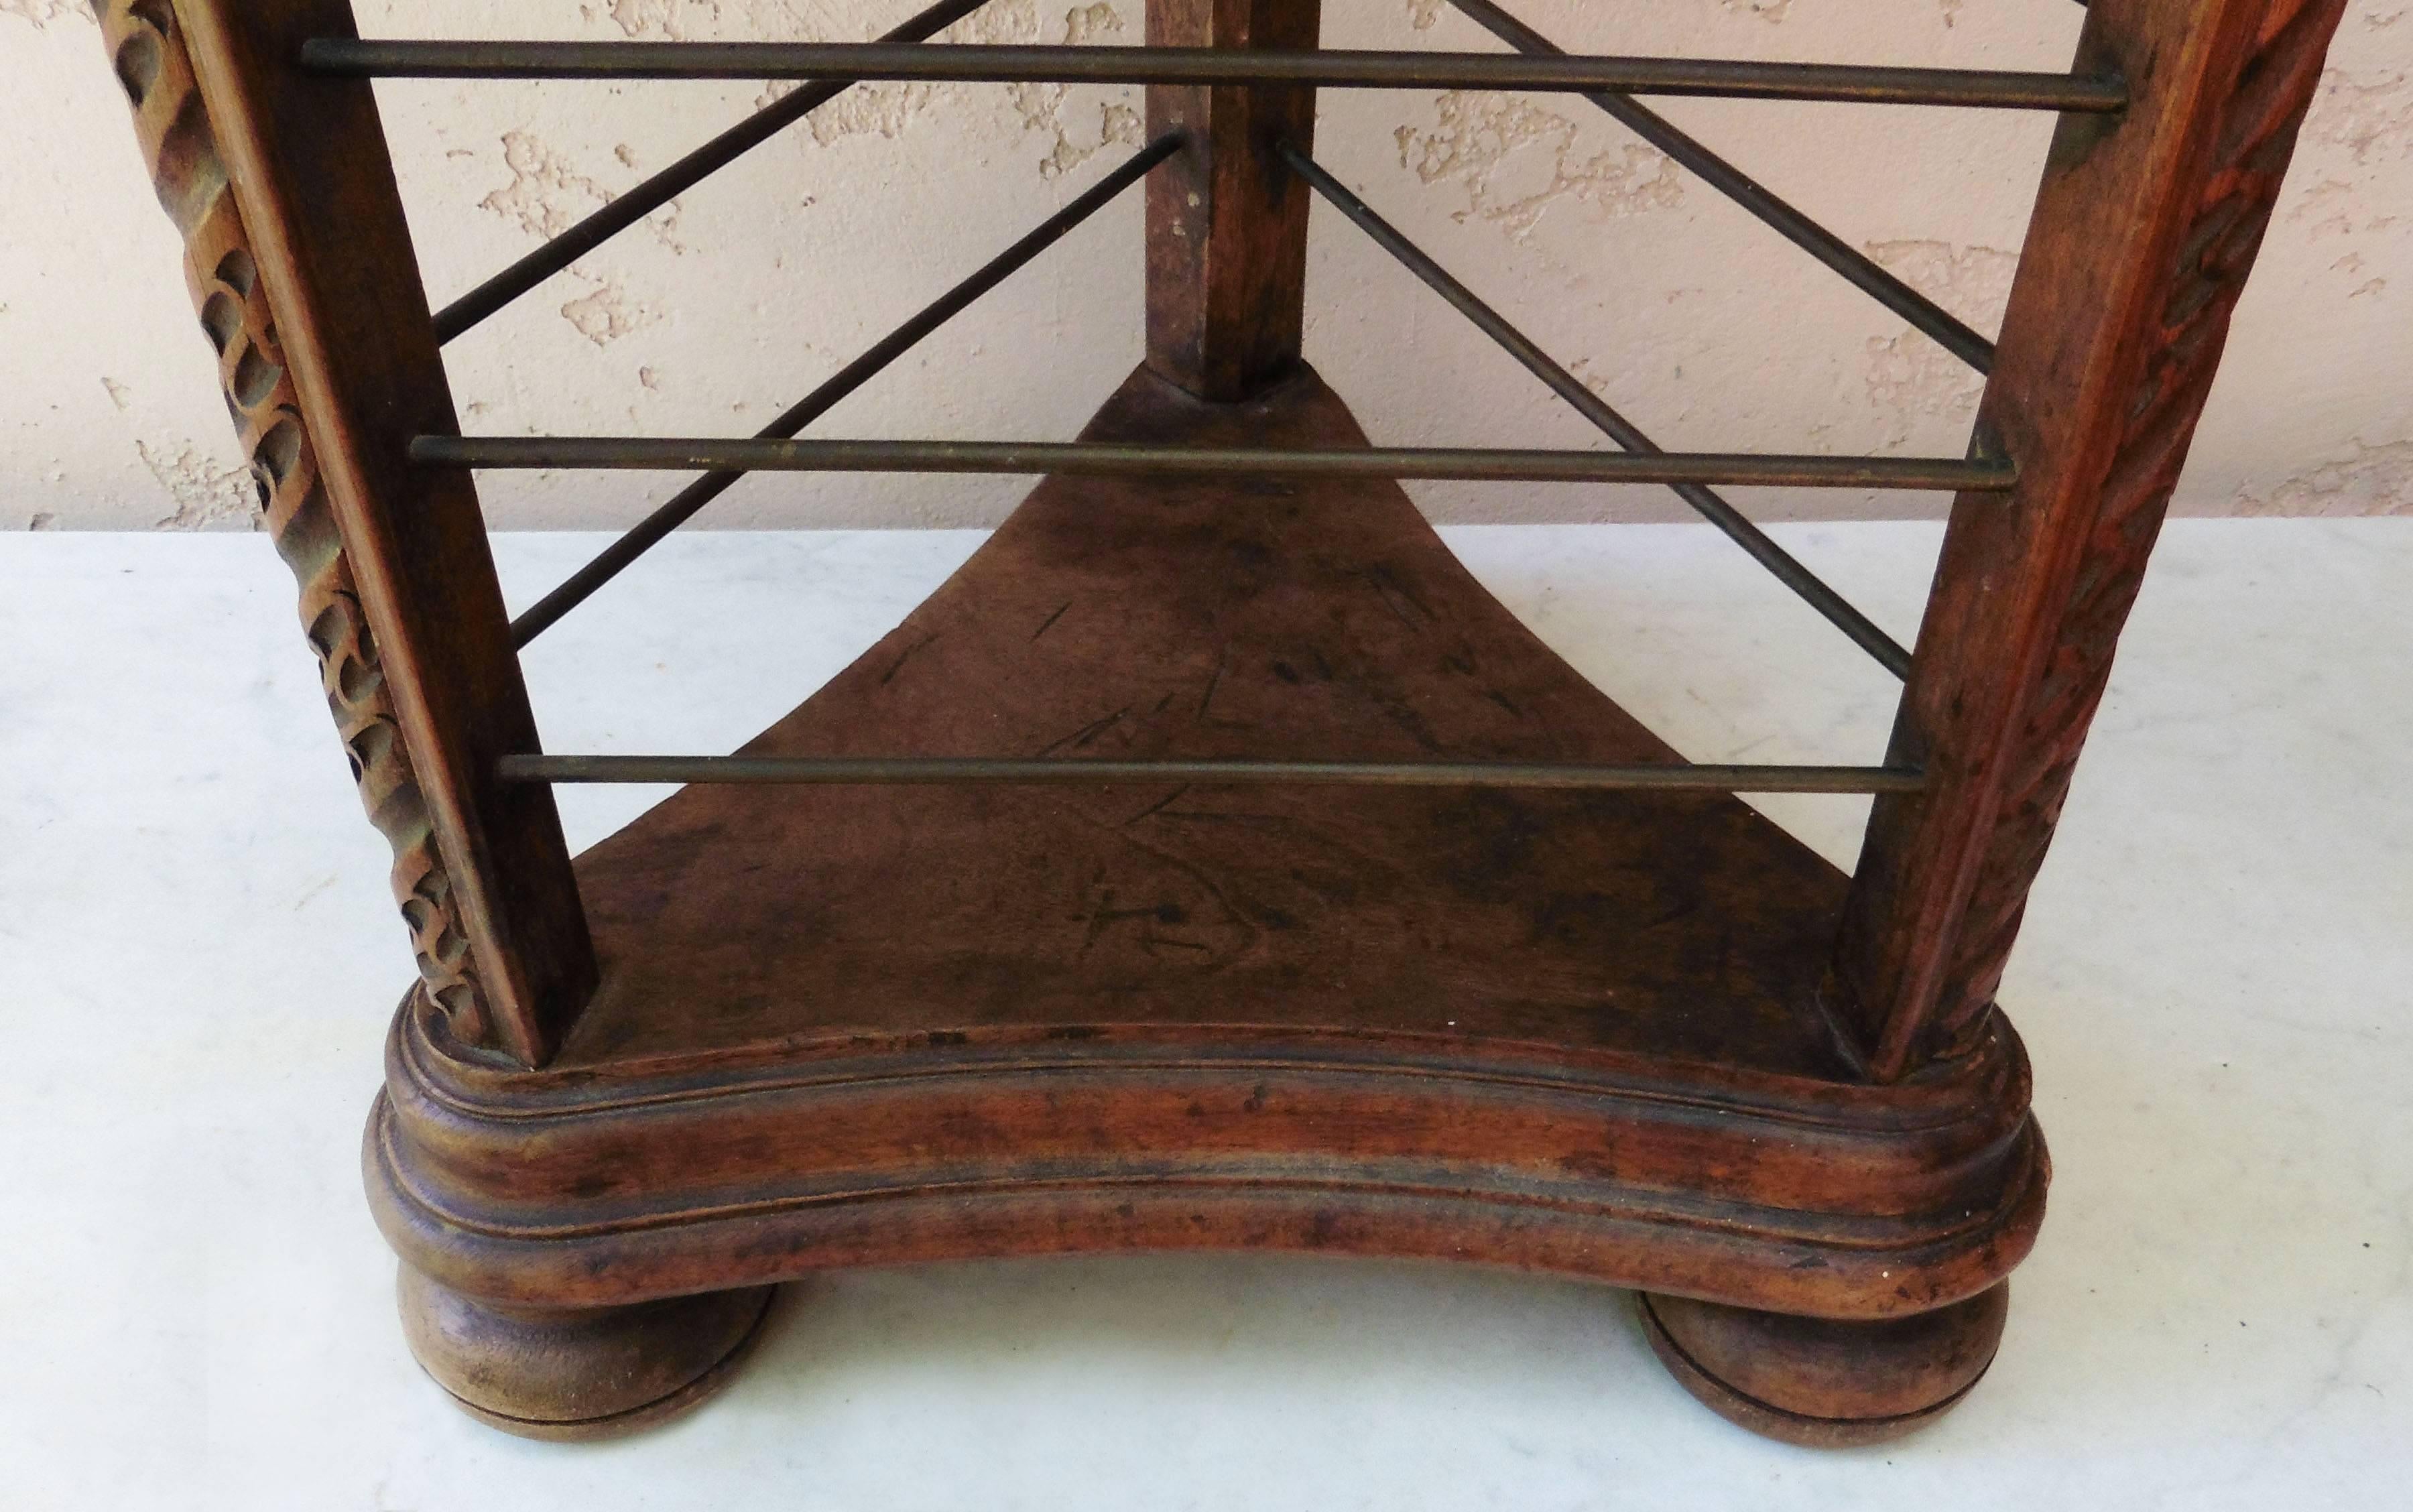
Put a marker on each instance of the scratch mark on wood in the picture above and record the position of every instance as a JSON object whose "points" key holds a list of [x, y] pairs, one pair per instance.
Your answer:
{"points": [[1222, 657], [1398, 599], [1160, 805], [1087, 732], [908, 655]]}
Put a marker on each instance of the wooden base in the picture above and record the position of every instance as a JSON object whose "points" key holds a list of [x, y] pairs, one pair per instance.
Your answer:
{"points": [[1823, 1383], [1578, 1033], [591, 1373]]}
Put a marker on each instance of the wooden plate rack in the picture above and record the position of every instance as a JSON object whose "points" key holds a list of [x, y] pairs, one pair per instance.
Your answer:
{"points": [[1211, 863]]}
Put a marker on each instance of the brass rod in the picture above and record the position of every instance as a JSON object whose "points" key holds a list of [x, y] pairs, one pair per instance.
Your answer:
{"points": [[1103, 459], [825, 771], [1339, 69], [683, 505], [1862, 631], [635, 203], [1924, 315]]}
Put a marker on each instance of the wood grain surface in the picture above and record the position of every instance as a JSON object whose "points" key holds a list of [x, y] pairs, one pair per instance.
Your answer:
{"points": [[2144, 231], [1561, 1031]]}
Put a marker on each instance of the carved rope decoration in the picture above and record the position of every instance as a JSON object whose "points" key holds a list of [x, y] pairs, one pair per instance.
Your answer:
{"points": [[2257, 137], [147, 49]]}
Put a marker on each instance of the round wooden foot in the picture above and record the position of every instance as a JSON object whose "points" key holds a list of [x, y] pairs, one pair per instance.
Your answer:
{"points": [[1822, 1382], [585, 1374]]}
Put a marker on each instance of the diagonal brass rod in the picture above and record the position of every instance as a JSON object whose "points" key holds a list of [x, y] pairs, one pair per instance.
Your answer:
{"points": [[683, 506], [625, 211], [1716, 77], [1817, 595], [1924, 315], [813, 770]]}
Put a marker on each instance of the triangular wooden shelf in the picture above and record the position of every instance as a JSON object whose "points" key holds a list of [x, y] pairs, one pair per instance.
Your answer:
{"points": [[1570, 1031], [1148, 619]]}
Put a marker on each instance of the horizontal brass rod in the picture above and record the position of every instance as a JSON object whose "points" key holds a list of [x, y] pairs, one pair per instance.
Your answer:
{"points": [[1109, 459], [828, 771], [1732, 79]]}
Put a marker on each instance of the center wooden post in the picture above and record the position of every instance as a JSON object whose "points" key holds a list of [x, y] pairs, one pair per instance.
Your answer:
{"points": [[1226, 220]]}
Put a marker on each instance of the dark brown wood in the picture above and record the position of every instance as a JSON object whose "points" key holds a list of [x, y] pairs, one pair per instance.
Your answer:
{"points": [[327, 261], [1144, 620], [1567, 1032], [1226, 221], [230, 290], [2144, 231], [1637, 1037], [1821, 1381], [597, 1373]]}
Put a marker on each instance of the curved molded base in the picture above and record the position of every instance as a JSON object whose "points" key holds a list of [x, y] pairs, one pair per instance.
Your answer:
{"points": [[1571, 1033], [1823, 1383], [1577, 1034], [589, 1374]]}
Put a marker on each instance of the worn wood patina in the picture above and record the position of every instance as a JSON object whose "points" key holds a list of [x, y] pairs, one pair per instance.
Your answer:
{"points": [[1626, 1033]]}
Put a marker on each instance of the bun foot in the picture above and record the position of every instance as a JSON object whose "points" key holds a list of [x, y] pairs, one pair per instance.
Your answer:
{"points": [[593, 1374], [1823, 1383]]}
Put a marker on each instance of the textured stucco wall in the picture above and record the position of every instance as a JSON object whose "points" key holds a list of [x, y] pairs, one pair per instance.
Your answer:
{"points": [[1705, 327]]}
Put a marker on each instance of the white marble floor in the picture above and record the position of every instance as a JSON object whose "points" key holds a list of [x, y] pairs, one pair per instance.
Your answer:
{"points": [[197, 960]]}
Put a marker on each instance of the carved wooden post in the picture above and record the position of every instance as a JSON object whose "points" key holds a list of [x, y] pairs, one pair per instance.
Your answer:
{"points": [[301, 266], [1226, 220], [2144, 231]]}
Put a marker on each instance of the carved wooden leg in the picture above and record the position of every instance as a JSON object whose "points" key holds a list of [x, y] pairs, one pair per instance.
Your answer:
{"points": [[1822, 1382], [582, 1374]]}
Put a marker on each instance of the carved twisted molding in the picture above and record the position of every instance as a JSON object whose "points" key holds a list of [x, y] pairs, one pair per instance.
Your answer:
{"points": [[147, 49], [2256, 138]]}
